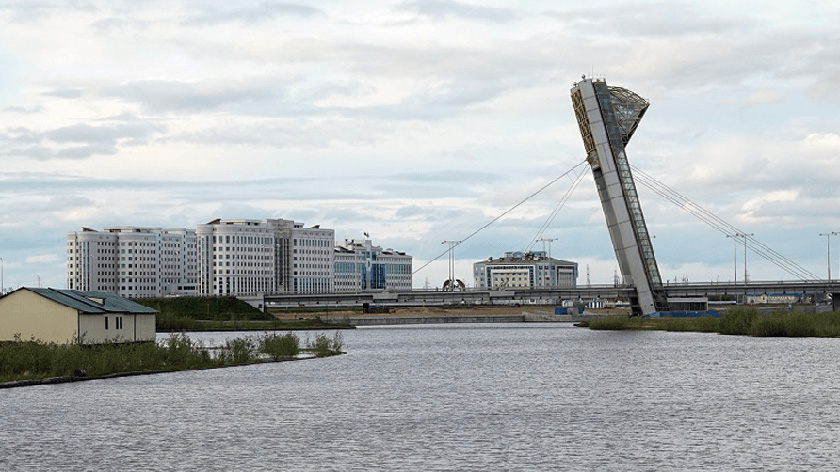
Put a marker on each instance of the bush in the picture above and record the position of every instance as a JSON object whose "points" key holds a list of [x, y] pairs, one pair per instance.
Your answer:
{"points": [[279, 347], [737, 320], [324, 346], [237, 351]]}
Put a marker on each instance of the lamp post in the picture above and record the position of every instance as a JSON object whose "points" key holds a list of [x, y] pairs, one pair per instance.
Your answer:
{"points": [[550, 267], [2, 277], [734, 257], [734, 237], [745, 235], [828, 250]]}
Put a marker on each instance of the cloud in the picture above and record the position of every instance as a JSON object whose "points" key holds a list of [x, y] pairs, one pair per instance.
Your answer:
{"points": [[25, 110], [764, 97], [64, 93], [42, 259], [440, 10], [78, 141], [262, 12]]}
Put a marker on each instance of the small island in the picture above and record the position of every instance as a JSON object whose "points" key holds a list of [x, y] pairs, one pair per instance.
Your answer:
{"points": [[31, 360], [739, 320]]}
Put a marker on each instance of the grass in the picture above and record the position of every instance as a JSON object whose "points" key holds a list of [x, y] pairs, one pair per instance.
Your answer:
{"points": [[744, 321], [32, 360], [702, 324], [177, 324], [221, 314]]}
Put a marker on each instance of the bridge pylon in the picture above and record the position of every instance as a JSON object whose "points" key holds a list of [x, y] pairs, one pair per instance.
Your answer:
{"points": [[607, 117]]}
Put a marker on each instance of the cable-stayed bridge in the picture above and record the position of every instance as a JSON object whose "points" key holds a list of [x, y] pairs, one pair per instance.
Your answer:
{"points": [[607, 118], [544, 295]]}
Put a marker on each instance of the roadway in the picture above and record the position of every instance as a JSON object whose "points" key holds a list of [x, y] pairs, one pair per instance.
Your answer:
{"points": [[535, 296]]}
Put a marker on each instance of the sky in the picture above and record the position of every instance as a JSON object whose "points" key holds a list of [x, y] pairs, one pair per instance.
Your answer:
{"points": [[419, 122]]}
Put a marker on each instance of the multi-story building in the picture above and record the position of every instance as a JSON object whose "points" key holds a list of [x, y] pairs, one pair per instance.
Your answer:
{"points": [[310, 252], [133, 262], [222, 257], [236, 257], [239, 257], [524, 270], [361, 266]]}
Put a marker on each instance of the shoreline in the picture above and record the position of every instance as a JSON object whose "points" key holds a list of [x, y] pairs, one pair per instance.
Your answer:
{"points": [[84, 378]]}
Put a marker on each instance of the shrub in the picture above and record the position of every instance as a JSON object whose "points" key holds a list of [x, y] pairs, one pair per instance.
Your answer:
{"points": [[324, 346], [278, 347], [737, 320], [238, 351]]}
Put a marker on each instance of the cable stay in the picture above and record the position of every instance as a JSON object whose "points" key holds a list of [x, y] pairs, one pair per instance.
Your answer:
{"points": [[503, 214], [717, 223], [575, 182]]}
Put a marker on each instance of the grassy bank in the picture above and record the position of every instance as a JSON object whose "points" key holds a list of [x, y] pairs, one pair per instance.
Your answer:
{"points": [[176, 324], [222, 314], [31, 360], [745, 321]]}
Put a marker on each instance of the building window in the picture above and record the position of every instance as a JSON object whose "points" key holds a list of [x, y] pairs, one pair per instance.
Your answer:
{"points": [[106, 322]]}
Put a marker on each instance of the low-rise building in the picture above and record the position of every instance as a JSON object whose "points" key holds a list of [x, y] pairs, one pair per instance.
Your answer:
{"points": [[528, 270], [361, 266], [68, 316]]}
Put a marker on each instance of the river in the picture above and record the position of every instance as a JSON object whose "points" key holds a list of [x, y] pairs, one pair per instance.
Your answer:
{"points": [[454, 397]]}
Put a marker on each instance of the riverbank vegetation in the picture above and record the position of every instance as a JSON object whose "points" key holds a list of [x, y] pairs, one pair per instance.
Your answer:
{"points": [[223, 314], [745, 321], [33, 360]]}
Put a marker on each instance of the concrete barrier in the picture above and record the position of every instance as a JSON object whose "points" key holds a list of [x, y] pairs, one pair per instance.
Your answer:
{"points": [[392, 320]]}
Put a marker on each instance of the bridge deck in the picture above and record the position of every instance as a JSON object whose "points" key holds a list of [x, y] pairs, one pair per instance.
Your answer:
{"points": [[512, 297]]}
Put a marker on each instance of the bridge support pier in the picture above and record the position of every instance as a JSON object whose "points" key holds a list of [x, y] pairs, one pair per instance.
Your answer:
{"points": [[835, 301]]}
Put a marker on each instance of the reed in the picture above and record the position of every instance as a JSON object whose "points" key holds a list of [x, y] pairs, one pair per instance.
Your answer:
{"points": [[32, 359], [742, 321], [323, 346], [280, 347]]}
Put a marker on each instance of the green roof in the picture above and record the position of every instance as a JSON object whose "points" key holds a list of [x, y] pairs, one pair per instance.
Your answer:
{"points": [[87, 301]]}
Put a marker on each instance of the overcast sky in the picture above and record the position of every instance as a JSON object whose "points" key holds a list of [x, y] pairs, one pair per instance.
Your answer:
{"points": [[417, 122]]}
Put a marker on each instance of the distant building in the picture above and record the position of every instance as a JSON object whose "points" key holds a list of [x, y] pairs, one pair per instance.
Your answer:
{"points": [[773, 298], [65, 316], [361, 266], [305, 256], [243, 257], [524, 270], [133, 262], [222, 257], [236, 257]]}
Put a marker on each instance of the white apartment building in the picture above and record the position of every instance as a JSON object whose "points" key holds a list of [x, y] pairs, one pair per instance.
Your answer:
{"points": [[312, 259], [524, 270], [133, 262], [236, 257], [361, 266]]}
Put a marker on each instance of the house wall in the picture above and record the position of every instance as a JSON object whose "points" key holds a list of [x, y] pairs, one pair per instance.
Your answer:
{"points": [[146, 330], [31, 315], [94, 330]]}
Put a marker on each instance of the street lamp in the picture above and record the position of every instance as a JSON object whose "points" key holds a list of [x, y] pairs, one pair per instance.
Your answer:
{"points": [[828, 250], [734, 257], [550, 267], [734, 237], [2, 277]]}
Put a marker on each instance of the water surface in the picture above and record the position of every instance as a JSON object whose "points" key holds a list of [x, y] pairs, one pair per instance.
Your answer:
{"points": [[454, 397]]}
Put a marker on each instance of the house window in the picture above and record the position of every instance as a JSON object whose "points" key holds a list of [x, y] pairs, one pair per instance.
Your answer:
{"points": [[106, 322]]}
